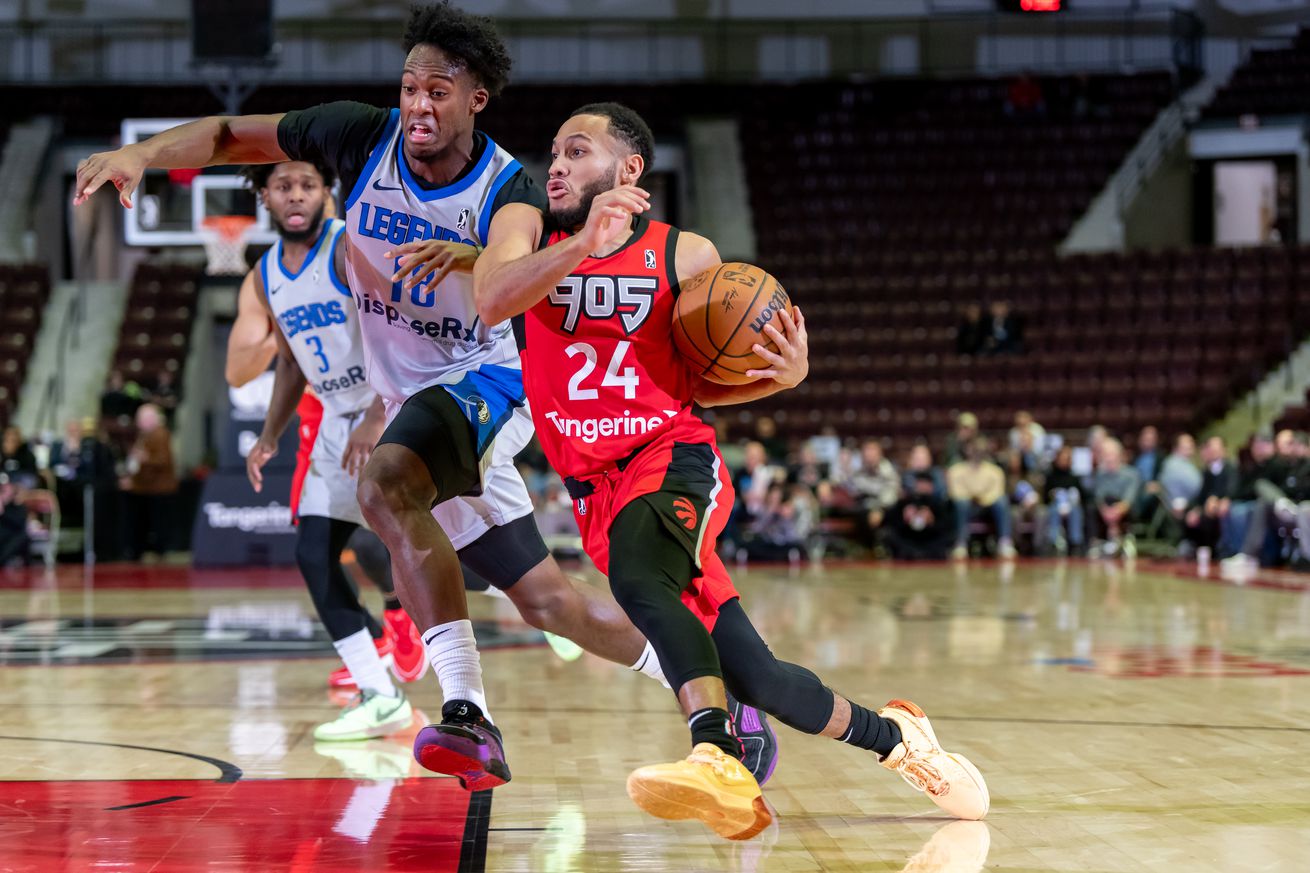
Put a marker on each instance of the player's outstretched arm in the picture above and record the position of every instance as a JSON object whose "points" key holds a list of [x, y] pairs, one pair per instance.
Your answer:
{"points": [[288, 385], [788, 367], [206, 142], [511, 275], [251, 344]]}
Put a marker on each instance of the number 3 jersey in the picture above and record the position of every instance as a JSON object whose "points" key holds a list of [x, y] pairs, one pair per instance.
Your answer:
{"points": [[601, 372], [316, 314]]}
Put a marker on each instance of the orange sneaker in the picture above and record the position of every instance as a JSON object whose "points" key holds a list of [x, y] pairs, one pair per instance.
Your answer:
{"points": [[341, 678], [409, 658], [707, 785]]}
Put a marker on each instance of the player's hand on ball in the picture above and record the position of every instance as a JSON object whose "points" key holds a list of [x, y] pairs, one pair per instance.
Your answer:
{"points": [[430, 257], [610, 212], [124, 167], [260, 454], [791, 363]]}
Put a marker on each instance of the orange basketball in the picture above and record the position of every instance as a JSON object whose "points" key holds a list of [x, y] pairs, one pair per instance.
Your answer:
{"points": [[721, 313]]}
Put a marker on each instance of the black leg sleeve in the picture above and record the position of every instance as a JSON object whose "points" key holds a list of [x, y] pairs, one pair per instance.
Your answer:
{"points": [[789, 692], [319, 543], [648, 571]]}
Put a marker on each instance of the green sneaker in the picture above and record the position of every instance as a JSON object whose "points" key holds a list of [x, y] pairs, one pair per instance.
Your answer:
{"points": [[565, 648], [369, 715]]}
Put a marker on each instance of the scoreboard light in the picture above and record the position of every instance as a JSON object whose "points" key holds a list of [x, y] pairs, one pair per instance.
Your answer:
{"points": [[1030, 5]]}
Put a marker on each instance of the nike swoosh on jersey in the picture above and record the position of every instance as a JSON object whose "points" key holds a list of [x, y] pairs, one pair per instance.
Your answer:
{"points": [[377, 183], [274, 290]]}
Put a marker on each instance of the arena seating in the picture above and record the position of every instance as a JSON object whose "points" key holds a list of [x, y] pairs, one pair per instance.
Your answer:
{"points": [[24, 289], [886, 212], [1270, 82], [1297, 417], [156, 328]]}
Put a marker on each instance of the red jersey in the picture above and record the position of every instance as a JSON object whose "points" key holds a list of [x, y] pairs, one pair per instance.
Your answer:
{"points": [[600, 369]]}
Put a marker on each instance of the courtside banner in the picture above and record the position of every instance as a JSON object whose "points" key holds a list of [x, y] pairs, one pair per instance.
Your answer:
{"points": [[236, 527]]}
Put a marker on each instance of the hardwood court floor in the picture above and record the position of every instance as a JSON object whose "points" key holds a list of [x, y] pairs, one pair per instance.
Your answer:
{"points": [[1126, 719]]}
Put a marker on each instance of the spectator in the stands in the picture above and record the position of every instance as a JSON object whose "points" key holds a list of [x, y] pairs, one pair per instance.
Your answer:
{"points": [[1034, 447], [80, 460], [1062, 497], [920, 461], [919, 526], [1114, 490], [15, 545], [779, 531], [121, 398], [165, 396], [1278, 500], [17, 459], [1023, 483], [1024, 97], [808, 470], [977, 488], [1218, 487], [1002, 330], [1178, 485], [874, 486], [151, 484], [969, 333], [966, 431], [766, 434], [1236, 519], [752, 483], [1146, 463]]}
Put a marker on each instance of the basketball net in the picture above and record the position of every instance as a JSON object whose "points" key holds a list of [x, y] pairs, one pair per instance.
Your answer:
{"points": [[225, 244]]}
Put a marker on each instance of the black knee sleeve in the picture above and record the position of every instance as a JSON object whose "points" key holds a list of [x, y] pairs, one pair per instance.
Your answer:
{"points": [[373, 558], [319, 542], [648, 571], [751, 673]]}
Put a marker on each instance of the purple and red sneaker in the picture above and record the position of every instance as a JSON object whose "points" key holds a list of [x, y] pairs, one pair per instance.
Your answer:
{"points": [[757, 739], [464, 745]]}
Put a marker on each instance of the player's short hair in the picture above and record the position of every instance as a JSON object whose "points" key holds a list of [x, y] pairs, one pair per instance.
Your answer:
{"points": [[257, 175], [472, 39], [626, 126]]}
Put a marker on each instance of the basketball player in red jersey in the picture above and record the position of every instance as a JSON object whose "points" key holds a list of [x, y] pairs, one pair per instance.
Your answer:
{"points": [[612, 403]]}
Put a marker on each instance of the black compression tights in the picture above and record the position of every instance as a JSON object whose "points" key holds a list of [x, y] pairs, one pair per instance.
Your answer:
{"points": [[648, 570], [789, 692], [319, 542]]}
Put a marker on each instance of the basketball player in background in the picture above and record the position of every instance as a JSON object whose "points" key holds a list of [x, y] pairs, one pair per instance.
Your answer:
{"points": [[251, 347], [298, 284], [440, 486], [597, 291]]}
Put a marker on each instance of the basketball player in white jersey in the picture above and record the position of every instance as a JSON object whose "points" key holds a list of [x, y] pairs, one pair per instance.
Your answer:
{"points": [[298, 283], [440, 486], [251, 347]]}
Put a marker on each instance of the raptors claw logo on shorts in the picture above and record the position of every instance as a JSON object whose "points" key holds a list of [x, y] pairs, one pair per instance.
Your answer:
{"points": [[685, 512]]}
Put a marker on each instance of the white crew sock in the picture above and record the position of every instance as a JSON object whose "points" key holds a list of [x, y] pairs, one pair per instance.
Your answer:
{"points": [[364, 663], [649, 664], [453, 653]]}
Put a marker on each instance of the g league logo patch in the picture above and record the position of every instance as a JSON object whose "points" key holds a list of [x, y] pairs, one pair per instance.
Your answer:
{"points": [[650, 259], [463, 222]]}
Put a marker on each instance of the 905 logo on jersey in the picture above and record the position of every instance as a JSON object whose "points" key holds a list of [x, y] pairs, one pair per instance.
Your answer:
{"points": [[602, 297]]}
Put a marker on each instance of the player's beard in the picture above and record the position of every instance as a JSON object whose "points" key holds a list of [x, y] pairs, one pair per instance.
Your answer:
{"points": [[574, 217], [309, 232]]}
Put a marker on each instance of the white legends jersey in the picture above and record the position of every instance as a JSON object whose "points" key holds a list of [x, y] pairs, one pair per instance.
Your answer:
{"points": [[431, 334], [317, 316]]}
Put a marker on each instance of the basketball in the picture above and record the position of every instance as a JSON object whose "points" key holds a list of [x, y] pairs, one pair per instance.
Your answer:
{"points": [[721, 313]]}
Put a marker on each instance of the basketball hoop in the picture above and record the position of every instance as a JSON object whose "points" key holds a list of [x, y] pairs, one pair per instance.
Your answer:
{"points": [[225, 244]]}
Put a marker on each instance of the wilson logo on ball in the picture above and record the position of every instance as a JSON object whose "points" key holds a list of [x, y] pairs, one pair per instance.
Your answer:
{"points": [[685, 512], [777, 302]]}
